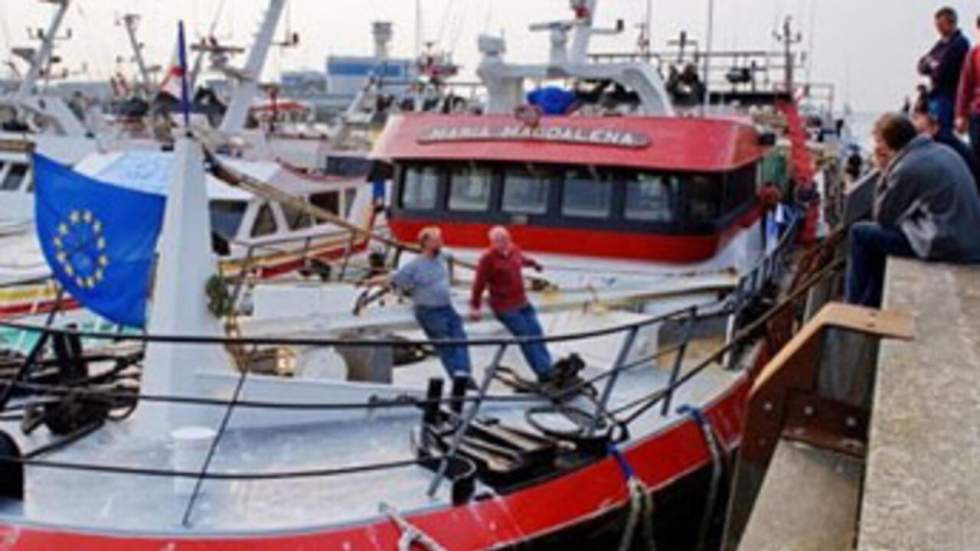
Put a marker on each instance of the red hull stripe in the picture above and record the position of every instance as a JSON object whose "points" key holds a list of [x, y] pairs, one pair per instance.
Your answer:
{"points": [[548, 507], [586, 242]]}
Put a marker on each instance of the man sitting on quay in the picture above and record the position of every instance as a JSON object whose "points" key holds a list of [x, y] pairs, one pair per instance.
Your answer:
{"points": [[926, 206]]}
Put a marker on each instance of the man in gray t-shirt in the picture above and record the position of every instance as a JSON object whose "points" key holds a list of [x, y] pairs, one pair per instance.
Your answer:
{"points": [[427, 279]]}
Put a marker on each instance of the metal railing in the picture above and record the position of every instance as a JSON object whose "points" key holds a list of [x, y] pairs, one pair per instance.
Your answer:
{"points": [[603, 411]]}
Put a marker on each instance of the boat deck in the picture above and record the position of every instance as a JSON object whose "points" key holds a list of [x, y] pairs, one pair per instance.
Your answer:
{"points": [[148, 504]]}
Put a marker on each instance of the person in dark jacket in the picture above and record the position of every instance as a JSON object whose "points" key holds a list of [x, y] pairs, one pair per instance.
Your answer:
{"points": [[943, 64], [926, 206], [927, 123]]}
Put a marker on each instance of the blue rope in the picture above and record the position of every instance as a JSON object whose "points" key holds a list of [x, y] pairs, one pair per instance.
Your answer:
{"points": [[624, 464], [695, 413]]}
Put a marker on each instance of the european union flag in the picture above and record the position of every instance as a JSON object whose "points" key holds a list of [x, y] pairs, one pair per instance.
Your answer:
{"points": [[99, 239]]}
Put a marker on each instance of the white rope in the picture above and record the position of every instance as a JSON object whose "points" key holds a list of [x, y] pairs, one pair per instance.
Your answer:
{"points": [[636, 509], [410, 534]]}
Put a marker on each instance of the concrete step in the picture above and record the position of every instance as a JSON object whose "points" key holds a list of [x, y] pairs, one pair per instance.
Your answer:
{"points": [[809, 501]]}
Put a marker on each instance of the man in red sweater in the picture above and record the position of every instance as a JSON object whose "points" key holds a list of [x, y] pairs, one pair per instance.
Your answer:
{"points": [[968, 98], [499, 271]]}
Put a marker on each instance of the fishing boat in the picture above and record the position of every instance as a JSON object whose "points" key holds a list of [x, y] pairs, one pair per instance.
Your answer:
{"points": [[318, 417]]}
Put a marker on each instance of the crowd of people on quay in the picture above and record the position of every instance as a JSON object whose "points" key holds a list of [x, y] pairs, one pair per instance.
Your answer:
{"points": [[926, 201]]}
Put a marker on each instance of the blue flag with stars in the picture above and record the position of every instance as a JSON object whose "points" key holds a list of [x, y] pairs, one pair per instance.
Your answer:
{"points": [[99, 239]]}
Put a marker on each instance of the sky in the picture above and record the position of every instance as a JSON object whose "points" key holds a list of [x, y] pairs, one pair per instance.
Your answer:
{"points": [[866, 48]]}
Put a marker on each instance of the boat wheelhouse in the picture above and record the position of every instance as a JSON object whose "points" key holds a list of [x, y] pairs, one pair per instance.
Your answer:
{"points": [[663, 190]]}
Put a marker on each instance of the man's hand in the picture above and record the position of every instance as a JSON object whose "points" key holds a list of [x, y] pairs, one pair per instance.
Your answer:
{"points": [[382, 280], [476, 314], [961, 125]]}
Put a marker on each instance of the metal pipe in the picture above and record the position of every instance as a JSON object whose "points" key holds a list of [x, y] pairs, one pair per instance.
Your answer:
{"points": [[707, 56], [624, 352], [678, 361]]}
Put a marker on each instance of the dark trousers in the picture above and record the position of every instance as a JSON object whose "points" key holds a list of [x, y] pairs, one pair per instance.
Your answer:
{"points": [[944, 109], [442, 322], [871, 245], [523, 322]]}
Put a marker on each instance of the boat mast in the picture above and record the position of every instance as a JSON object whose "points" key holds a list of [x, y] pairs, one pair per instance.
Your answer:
{"points": [[649, 30], [418, 27], [248, 79], [788, 39], [43, 54], [130, 21], [707, 56], [584, 17]]}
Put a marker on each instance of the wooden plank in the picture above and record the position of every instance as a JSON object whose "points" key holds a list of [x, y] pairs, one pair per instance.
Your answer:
{"points": [[809, 501], [847, 316]]}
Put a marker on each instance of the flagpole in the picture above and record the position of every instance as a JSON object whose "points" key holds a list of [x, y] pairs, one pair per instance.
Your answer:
{"points": [[185, 106]]}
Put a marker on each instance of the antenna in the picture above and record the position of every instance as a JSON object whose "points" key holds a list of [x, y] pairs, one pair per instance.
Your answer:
{"points": [[130, 21], [707, 55], [42, 59], [788, 39]]}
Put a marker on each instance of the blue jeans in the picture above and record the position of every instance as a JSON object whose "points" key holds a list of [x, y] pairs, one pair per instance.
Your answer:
{"points": [[442, 322], [871, 244], [523, 322], [944, 109]]}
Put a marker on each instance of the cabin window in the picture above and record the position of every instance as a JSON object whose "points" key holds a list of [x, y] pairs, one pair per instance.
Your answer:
{"points": [[740, 187], [586, 194], [226, 217], [328, 201], [348, 166], [649, 197], [265, 222], [703, 198], [421, 187], [296, 218], [14, 177], [526, 192], [469, 189]]}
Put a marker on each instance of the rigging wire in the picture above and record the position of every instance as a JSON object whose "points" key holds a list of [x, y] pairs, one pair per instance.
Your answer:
{"points": [[445, 21], [5, 29]]}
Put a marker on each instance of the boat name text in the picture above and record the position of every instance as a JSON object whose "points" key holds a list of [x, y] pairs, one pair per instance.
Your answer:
{"points": [[566, 134]]}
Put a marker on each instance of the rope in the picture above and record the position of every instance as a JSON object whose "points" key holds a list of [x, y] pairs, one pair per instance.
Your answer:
{"points": [[300, 341], [410, 534], [401, 402], [711, 441], [640, 504], [272, 475]]}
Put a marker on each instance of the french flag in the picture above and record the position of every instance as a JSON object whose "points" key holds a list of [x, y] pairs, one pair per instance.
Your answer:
{"points": [[174, 82]]}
